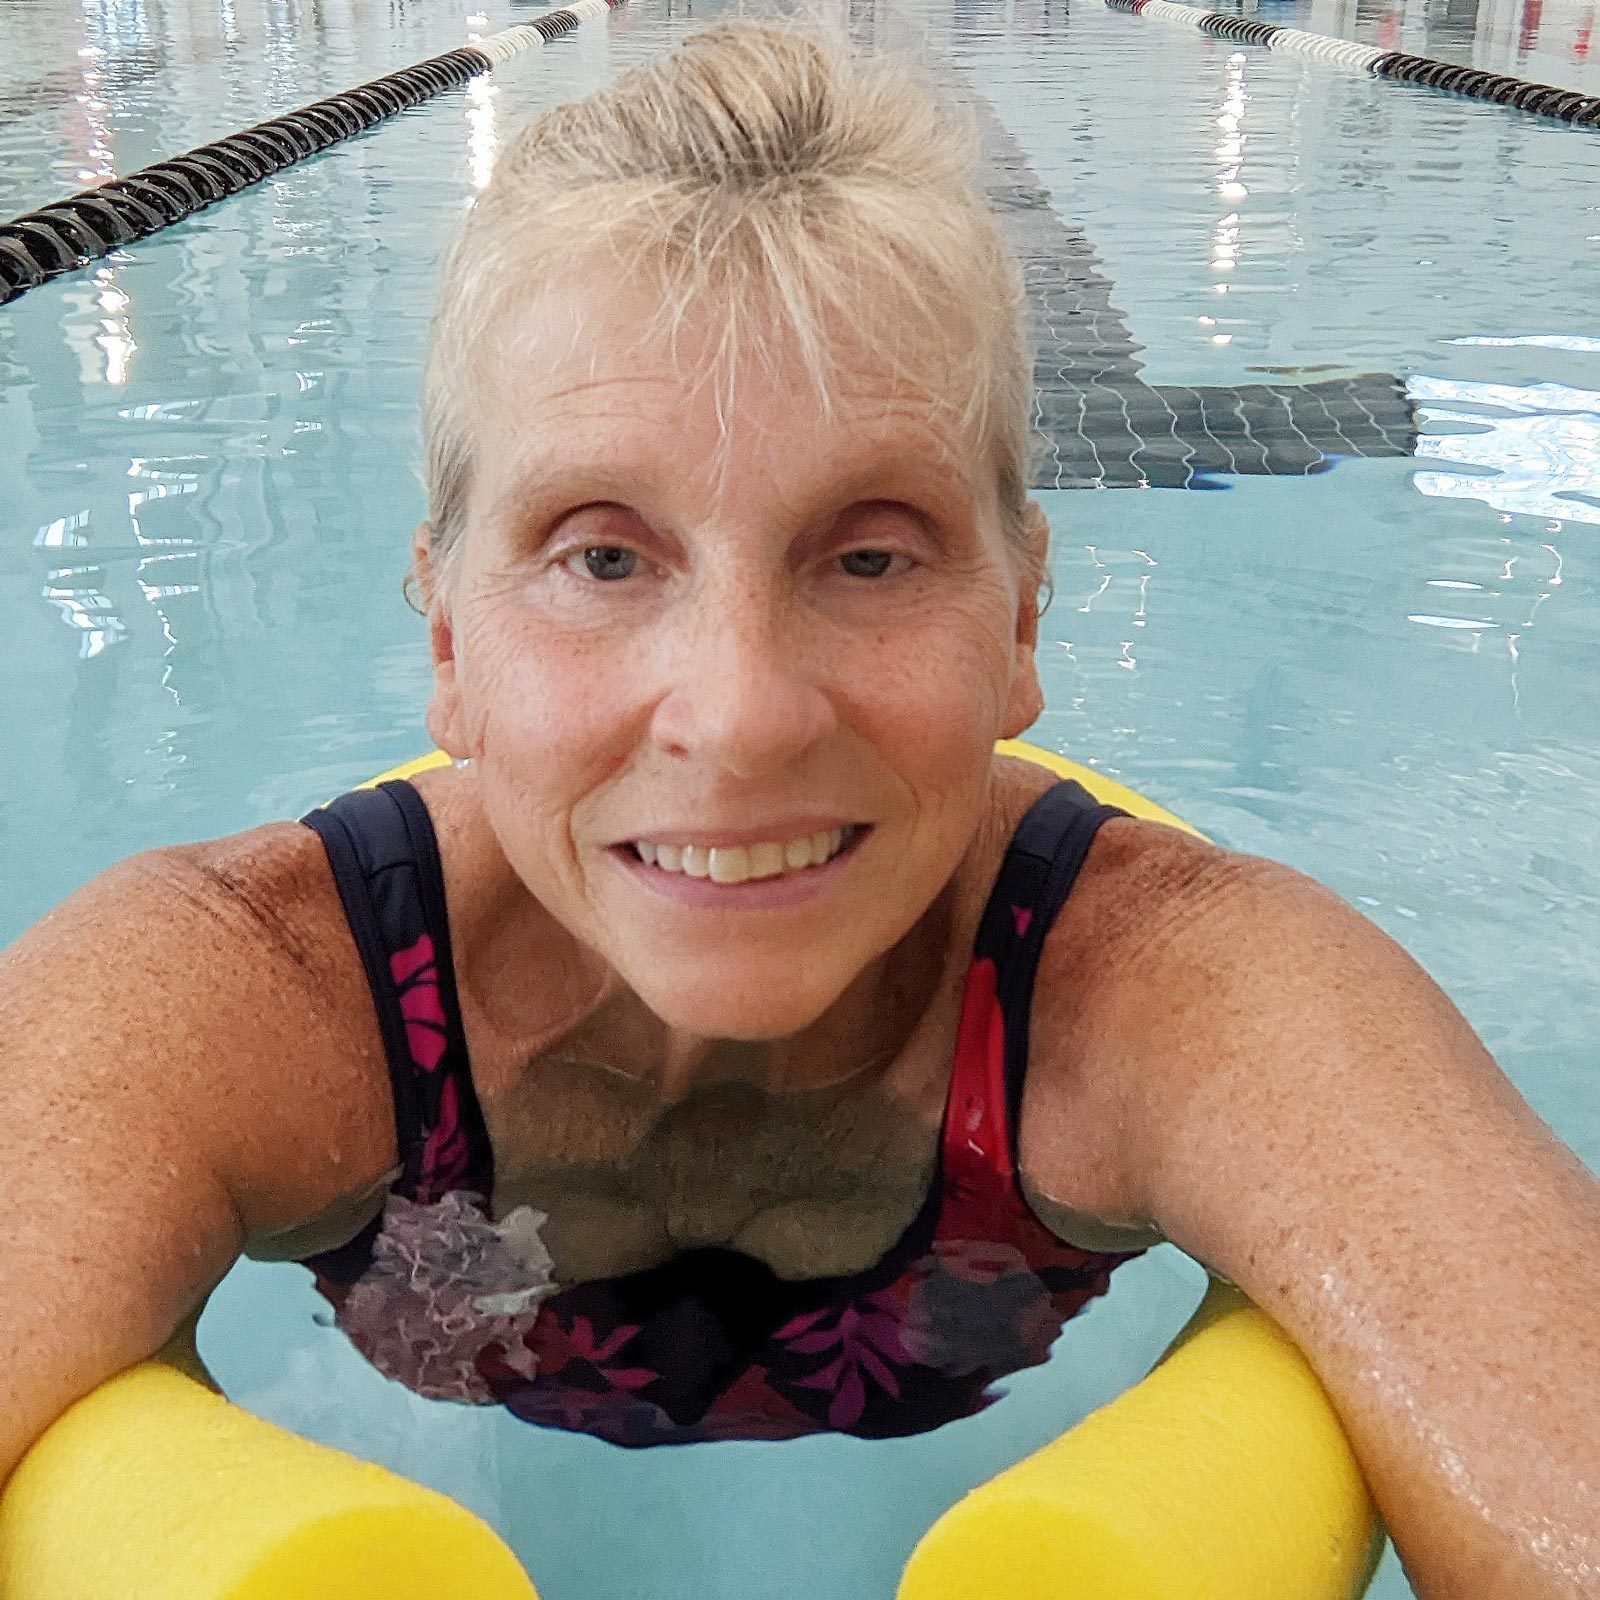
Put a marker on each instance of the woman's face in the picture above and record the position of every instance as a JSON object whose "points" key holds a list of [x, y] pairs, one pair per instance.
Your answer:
{"points": [[771, 651]]}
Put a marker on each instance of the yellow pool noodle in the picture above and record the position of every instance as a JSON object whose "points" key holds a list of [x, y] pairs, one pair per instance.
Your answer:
{"points": [[1224, 1475], [155, 1488], [1104, 789]]}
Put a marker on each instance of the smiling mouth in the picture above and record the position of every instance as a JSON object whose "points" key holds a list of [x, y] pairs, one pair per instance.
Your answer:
{"points": [[747, 863]]}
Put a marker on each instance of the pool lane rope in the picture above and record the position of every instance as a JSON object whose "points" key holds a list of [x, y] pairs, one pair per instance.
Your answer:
{"points": [[70, 233], [1542, 99]]}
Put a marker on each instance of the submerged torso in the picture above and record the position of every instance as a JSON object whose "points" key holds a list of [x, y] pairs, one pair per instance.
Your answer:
{"points": [[812, 1183], [730, 1263]]}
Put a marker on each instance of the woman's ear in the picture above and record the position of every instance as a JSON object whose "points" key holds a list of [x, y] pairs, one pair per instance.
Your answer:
{"points": [[1026, 698], [424, 593], [1036, 534]]}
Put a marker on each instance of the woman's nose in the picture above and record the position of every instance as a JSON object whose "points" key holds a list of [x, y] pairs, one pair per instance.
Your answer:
{"points": [[744, 691]]}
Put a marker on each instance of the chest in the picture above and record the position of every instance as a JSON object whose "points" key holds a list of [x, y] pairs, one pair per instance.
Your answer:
{"points": [[815, 1184]]}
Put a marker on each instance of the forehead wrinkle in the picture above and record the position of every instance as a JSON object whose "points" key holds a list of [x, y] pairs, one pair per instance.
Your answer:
{"points": [[573, 375], [893, 441], [636, 458], [568, 401], [532, 432]]}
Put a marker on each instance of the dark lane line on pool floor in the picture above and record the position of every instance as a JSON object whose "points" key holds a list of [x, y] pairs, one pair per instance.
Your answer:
{"points": [[1102, 426]]}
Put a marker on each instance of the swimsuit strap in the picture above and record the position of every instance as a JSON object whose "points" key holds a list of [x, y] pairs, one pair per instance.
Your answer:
{"points": [[984, 1113], [385, 860]]}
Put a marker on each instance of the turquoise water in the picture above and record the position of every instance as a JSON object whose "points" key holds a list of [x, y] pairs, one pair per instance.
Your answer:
{"points": [[1386, 674]]}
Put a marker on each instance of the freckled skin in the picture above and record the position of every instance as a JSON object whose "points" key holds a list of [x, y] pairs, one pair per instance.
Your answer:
{"points": [[1221, 1052]]}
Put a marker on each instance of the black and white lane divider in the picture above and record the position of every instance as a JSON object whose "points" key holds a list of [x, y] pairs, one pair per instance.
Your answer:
{"points": [[1542, 99], [69, 233]]}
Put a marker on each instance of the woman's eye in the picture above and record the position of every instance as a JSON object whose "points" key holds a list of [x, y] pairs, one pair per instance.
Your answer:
{"points": [[606, 562], [867, 563]]}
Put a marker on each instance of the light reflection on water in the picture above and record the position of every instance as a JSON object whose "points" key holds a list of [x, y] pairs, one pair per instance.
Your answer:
{"points": [[1528, 448]]}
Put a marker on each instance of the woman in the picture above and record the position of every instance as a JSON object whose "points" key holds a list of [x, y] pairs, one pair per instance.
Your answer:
{"points": [[731, 1044]]}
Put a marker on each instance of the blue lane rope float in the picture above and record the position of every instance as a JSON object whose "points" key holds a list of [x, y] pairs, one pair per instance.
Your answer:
{"points": [[1542, 99], [68, 234]]}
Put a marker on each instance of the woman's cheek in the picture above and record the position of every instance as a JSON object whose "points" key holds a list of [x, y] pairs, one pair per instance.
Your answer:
{"points": [[949, 672], [520, 665], [561, 710]]}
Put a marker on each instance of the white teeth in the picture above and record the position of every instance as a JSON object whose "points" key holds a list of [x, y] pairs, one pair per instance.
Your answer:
{"points": [[766, 860], [729, 863], [740, 863]]}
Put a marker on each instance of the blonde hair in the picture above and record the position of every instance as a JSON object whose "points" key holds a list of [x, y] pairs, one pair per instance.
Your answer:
{"points": [[768, 171]]}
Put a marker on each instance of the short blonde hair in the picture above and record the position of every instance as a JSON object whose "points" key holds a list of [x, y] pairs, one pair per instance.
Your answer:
{"points": [[770, 171]]}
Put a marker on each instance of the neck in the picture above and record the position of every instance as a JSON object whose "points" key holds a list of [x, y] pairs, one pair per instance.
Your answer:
{"points": [[586, 1016], [580, 1010], [856, 1041]]}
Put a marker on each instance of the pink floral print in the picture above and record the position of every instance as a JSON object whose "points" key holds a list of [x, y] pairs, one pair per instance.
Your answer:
{"points": [[416, 977], [864, 1341]]}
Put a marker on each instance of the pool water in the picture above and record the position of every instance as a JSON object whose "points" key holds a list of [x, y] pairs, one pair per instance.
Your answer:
{"points": [[1384, 671]]}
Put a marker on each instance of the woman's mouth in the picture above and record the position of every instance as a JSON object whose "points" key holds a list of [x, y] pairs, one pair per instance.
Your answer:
{"points": [[746, 863], [744, 875]]}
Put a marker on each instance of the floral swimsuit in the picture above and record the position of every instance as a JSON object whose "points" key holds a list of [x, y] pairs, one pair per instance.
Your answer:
{"points": [[456, 1302]]}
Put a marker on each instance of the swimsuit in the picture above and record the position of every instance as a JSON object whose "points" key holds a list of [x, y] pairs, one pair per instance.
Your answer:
{"points": [[458, 1303]]}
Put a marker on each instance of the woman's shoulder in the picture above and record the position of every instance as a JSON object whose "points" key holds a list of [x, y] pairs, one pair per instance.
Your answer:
{"points": [[1182, 977], [183, 1068], [1136, 982], [241, 899], [1159, 916], [272, 886], [231, 995], [1138, 875], [1155, 903]]}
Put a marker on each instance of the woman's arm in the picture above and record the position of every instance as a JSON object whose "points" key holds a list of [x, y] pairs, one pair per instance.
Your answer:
{"points": [[1291, 1099], [179, 1067]]}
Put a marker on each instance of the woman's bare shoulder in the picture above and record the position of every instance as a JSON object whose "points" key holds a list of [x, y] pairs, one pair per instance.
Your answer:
{"points": [[274, 879], [225, 978], [267, 889], [187, 1059], [1148, 942]]}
